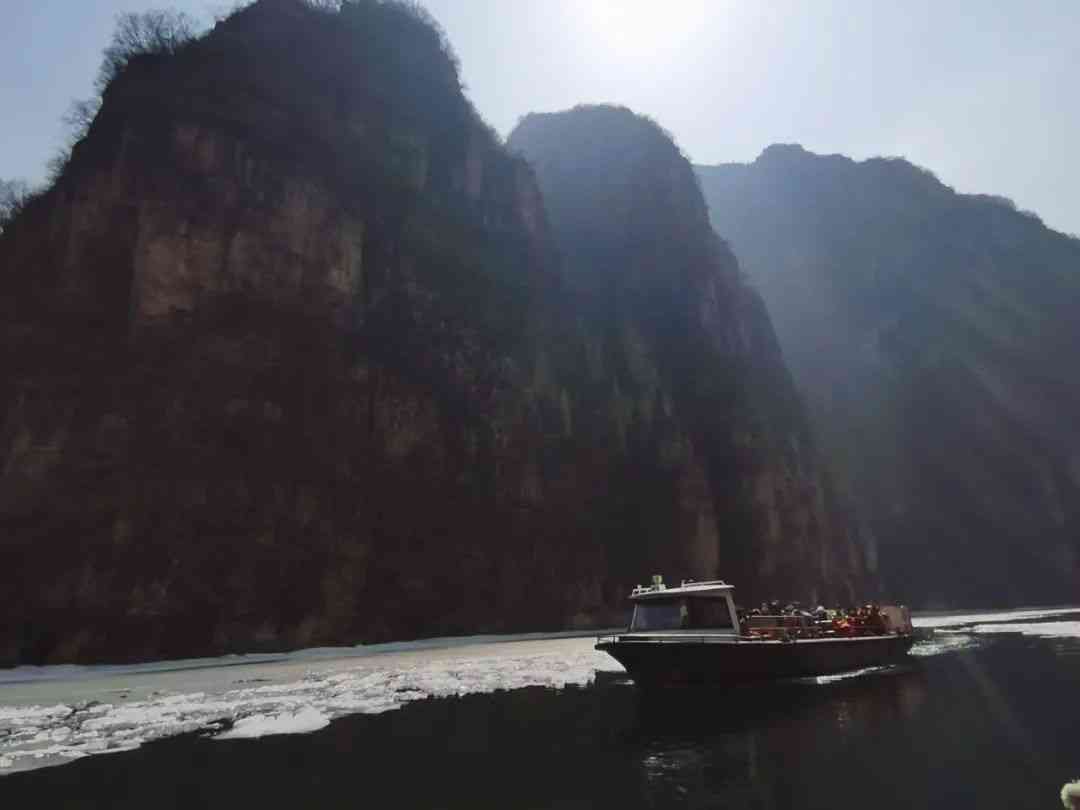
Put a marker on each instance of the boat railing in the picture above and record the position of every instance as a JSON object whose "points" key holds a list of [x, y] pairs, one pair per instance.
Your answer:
{"points": [[788, 634], [767, 621]]}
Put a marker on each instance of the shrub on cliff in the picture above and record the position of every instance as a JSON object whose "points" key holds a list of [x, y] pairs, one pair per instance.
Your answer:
{"points": [[14, 194], [159, 32], [155, 32], [395, 46]]}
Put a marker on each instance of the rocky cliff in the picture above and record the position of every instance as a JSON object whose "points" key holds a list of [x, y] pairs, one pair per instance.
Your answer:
{"points": [[934, 335], [683, 356], [288, 358]]}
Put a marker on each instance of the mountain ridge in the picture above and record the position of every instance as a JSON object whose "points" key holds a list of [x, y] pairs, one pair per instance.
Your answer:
{"points": [[930, 331]]}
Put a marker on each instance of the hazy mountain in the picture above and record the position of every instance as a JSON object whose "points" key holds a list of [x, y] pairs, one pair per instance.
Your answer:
{"points": [[935, 336]]}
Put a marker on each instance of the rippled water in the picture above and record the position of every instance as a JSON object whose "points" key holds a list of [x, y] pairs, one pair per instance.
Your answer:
{"points": [[982, 716]]}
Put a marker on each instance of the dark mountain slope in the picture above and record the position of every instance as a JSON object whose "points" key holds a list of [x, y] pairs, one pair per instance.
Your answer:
{"points": [[266, 362], [687, 353], [935, 335]]}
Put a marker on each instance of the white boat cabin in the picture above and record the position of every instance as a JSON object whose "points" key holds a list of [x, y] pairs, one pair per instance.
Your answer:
{"points": [[694, 608]]}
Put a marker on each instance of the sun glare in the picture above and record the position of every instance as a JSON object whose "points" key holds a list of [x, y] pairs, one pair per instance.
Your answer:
{"points": [[632, 28]]}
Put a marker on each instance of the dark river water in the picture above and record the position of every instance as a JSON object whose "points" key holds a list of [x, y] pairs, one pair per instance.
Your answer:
{"points": [[981, 720]]}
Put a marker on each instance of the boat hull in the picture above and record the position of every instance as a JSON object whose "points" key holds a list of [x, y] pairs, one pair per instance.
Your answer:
{"points": [[667, 662]]}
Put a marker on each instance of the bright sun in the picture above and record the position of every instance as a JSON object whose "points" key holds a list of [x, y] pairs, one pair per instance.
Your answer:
{"points": [[630, 28]]}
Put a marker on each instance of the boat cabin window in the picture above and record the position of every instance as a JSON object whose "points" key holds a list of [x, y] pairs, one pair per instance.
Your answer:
{"points": [[681, 614], [657, 615], [709, 614]]}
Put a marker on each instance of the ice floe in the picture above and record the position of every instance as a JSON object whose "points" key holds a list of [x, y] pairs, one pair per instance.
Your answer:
{"points": [[303, 721], [1036, 629], [35, 736], [960, 620]]}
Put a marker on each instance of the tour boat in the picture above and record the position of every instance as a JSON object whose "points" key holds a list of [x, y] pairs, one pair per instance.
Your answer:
{"points": [[692, 635]]}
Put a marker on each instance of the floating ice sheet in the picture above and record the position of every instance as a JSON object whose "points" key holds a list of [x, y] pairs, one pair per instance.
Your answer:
{"points": [[302, 721], [960, 620], [1036, 629], [35, 736]]}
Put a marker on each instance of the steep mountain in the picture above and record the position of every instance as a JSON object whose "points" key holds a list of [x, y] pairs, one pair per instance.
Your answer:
{"points": [[267, 360], [288, 358], [682, 355], [935, 337]]}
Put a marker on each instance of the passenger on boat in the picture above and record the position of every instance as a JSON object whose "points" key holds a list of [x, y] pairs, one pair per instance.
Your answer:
{"points": [[875, 622], [842, 626], [744, 621]]}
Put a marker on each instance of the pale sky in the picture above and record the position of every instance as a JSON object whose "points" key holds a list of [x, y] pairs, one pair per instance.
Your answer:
{"points": [[982, 93]]}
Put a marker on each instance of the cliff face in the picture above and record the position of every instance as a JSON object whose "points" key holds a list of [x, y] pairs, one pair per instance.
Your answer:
{"points": [[932, 333], [683, 356], [288, 359], [267, 361]]}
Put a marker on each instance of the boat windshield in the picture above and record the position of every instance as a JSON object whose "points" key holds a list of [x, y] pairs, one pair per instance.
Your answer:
{"points": [[656, 615], [681, 614]]}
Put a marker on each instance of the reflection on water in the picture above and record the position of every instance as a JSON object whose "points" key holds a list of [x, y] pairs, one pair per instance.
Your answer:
{"points": [[741, 747], [986, 725]]}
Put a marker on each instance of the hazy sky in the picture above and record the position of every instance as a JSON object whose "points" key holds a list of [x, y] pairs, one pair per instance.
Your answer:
{"points": [[983, 93]]}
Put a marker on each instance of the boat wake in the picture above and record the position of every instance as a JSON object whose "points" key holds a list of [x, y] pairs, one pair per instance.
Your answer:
{"points": [[943, 642], [846, 676]]}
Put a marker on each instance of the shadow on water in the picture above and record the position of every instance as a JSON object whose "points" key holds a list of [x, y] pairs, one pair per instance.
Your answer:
{"points": [[971, 729]]}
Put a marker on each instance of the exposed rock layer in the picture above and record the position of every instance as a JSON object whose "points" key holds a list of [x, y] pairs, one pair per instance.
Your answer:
{"points": [[935, 336]]}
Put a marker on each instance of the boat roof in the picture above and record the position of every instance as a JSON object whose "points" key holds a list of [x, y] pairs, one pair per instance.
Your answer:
{"points": [[712, 587]]}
